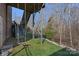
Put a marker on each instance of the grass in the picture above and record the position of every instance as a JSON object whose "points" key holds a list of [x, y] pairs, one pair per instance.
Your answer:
{"points": [[37, 49]]}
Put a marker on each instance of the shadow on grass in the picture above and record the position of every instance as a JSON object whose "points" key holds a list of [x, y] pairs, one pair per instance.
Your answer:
{"points": [[65, 52], [17, 52], [27, 51]]}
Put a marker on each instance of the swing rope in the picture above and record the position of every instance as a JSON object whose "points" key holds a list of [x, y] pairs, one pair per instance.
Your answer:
{"points": [[25, 20], [18, 41], [42, 18], [38, 25], [33, 22]]}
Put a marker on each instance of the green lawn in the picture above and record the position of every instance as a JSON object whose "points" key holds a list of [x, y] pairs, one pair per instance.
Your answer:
{"points": [[35, 49], [38, 49]]}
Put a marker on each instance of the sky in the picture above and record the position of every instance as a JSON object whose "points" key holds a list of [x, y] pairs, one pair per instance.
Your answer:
{"points": [[17, 13], [47, 11]]}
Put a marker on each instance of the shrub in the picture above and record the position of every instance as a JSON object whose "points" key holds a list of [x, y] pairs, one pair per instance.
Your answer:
{"points": [[49, 33]]}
